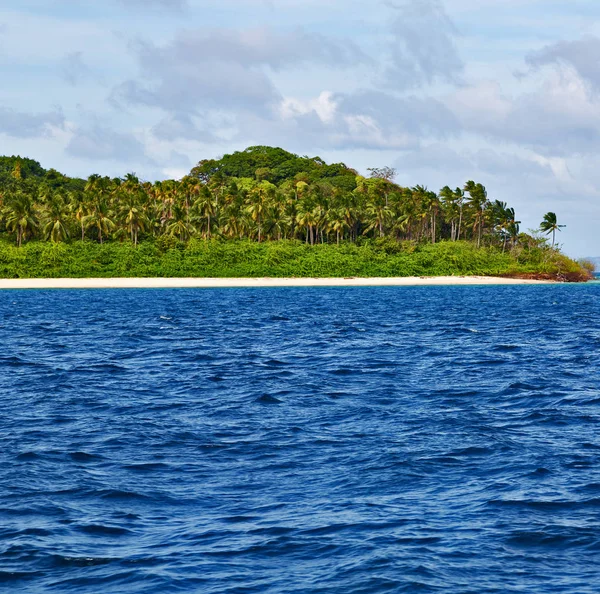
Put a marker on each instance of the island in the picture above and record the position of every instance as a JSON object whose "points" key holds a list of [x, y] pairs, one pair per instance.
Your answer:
{"points": [[265, 213]]}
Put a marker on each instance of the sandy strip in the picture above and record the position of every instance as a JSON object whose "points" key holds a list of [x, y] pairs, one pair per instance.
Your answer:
{"points": [[166, 283]]}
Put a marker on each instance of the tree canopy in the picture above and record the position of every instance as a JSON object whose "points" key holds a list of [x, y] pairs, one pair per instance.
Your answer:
{"points": [[259, 194]]}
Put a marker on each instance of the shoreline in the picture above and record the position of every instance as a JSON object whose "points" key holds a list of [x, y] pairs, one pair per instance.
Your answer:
{"points": [[215, 283]]}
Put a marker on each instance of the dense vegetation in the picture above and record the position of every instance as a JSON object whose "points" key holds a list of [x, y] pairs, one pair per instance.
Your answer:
{"points": [[168, 257], [283, 215]]}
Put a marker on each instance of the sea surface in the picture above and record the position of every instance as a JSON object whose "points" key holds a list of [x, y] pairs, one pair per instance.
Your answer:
{"points": [[344, 440]]}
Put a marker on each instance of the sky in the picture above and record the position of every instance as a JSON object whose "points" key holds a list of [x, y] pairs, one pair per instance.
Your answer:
{"points": [[503, 92]]}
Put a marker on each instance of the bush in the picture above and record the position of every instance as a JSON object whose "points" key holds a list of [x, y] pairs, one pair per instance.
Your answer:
{"points": [[168, 257]]}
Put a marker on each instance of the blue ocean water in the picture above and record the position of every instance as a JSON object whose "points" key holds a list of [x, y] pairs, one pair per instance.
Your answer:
{"points": [[364, 440]]}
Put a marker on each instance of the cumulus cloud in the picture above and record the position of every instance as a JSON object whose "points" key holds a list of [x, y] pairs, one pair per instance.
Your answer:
{"points": [[226, 69], [581, 55], [480, 163], [181, 126], [418, 116], [104, 144], [19, 124], [423, 47], [358, 120], [558, 118]]}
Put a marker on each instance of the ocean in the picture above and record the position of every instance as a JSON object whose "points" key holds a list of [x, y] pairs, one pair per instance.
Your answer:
{"points": [[347, 440]]}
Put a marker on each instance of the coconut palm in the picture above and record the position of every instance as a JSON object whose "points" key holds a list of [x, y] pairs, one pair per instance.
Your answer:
{"points": [[478, 203], [376, 217], [503, 220], [20, 216], [79, 208], [259, 199], [205, 210], [337, 222], [452, 202], [178, 225], [134, 217], [550, 225], [100, 218], [57, 219]]}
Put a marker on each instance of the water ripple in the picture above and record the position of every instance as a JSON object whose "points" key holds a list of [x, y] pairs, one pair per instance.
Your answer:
{"points": [[424, 439]]}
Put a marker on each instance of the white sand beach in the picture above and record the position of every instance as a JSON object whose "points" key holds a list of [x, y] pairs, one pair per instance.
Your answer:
{"points": [[171, 283]]}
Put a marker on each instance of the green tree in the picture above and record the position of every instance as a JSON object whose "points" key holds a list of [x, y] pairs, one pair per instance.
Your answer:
{"points": [[550, 224], [20, 216], [178, 225], [57, 219], [99, 218]]}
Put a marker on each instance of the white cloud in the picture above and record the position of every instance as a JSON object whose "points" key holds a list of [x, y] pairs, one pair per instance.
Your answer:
{"points": [[423, 48], [21, 124], [99, 143], [324, 106]]}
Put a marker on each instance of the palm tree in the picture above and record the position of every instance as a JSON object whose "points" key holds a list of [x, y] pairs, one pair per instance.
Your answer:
{"points": [[99, 218], [504, 220], [20, 215], [57, 219], [336, 220], [434, 207], [478, 202], [80, 208], [460, 199], [376, 216], [178, 225], [308, 219], [550, 225], [452, 202], [134, 218], [205, 210], [259, 200]]}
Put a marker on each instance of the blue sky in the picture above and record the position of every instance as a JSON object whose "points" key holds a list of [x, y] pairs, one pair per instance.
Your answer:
{"points": [[505, 92]]}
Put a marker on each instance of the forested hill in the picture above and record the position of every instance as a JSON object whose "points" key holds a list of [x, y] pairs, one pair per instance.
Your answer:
{"points": [[259, 194]]}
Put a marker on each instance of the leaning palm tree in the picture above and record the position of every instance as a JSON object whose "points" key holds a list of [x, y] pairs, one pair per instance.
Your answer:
{"points": [[478, 203], [550, 225], [503, 219]]}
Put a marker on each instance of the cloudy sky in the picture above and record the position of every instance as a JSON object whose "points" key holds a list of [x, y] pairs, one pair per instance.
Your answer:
{"points": [[505, 92]]}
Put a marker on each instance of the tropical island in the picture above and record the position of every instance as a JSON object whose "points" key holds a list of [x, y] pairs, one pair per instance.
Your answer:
{"points": [[263, 212]]}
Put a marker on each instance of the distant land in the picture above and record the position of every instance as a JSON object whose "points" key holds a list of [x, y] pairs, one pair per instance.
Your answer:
{"points": [[263, 212]]}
